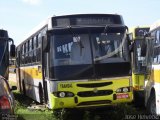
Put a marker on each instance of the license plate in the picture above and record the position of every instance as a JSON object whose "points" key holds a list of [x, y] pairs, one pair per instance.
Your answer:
{"points": [[122, 96]]}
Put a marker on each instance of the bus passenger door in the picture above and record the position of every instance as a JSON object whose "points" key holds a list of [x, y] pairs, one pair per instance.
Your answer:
{"points": [[45, 69]]}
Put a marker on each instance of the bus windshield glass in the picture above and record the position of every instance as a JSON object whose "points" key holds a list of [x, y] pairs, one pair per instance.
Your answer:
{"points": [[82, 54], [3, 56], [110, 47], [3, 47]]}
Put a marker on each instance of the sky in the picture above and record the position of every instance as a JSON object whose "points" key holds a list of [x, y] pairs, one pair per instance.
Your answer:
{"points": [[19, 17]]}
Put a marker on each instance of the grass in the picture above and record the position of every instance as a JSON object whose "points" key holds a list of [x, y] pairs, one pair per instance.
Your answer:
{"points": [[118, 112], [24, 113]]}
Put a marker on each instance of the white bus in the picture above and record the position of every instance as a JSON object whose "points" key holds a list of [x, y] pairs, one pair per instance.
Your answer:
{"points": [[152, 83]]}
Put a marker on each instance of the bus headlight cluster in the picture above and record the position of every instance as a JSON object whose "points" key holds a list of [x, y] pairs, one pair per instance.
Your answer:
{"points": [[63, 94], [123, 90]]}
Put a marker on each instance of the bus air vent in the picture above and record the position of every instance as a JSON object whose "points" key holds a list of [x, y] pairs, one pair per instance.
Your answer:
{"points": [[92, 85], [95, 102], [93, 93]]}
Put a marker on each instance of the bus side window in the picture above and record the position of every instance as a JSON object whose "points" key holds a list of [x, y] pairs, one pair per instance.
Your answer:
{"points": [[26, 54], [25, 51], [158, 43], [39, 47], [22, 55], [30, 51], [34, 47]]}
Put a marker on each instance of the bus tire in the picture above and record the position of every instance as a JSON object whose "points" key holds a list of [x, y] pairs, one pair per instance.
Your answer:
{"points": [[138, 99], [23, 87], [151, 105], [41, 96]]}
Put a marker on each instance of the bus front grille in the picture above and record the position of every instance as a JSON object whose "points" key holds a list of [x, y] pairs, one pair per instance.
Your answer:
{"points": [[95, 102], [95, 93]]}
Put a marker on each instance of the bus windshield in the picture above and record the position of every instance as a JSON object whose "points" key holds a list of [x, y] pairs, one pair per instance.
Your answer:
{"points": [[3, 47], [110, 47], [88, 54], [3, 57]]}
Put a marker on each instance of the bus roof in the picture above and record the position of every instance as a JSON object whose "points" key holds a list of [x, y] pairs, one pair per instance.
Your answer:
{"points": [[3, 33], [37, 28], [48, 23], [155, 25], [131, 29], [94, 14], [136, 30]]}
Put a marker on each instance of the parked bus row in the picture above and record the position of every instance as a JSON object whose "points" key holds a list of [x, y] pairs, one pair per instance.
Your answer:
{"points": [[152, 81], [90, 60]]}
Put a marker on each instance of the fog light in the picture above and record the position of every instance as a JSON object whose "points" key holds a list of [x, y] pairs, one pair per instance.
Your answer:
{"points": [[62, 94], [125, 90], [118, 90]]}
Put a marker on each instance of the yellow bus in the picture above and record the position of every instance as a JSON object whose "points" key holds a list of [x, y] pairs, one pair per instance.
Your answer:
{"points": [[138, 65], [152, 83], [74, 61]]}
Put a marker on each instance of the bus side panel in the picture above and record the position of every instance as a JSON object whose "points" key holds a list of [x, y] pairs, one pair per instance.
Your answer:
{"points": [[153, 83], [32, 77], [156, 79], [157, 89], [138, 81], [18, 79]]}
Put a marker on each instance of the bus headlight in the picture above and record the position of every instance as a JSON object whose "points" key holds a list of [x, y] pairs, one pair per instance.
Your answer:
{"points": [[62, 94], [123, 90]]}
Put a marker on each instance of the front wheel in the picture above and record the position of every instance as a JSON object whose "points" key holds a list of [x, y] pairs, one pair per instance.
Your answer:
{"points": [[151, 105]]}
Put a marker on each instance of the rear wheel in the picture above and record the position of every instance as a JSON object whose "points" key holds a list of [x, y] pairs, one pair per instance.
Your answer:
{"points": [[41, 96], [24, 89], [151, 105]]}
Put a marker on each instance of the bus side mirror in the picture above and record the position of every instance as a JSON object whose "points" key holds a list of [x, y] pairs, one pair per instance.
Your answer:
{"points": [[130, 42], [45, 43], [12, 50], [13, 88], [130, 37]]}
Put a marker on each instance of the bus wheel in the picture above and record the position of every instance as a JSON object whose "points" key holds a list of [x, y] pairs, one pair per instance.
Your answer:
{"points": [[41, 93], [151, 105], [138, 99], [24, 89]]}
